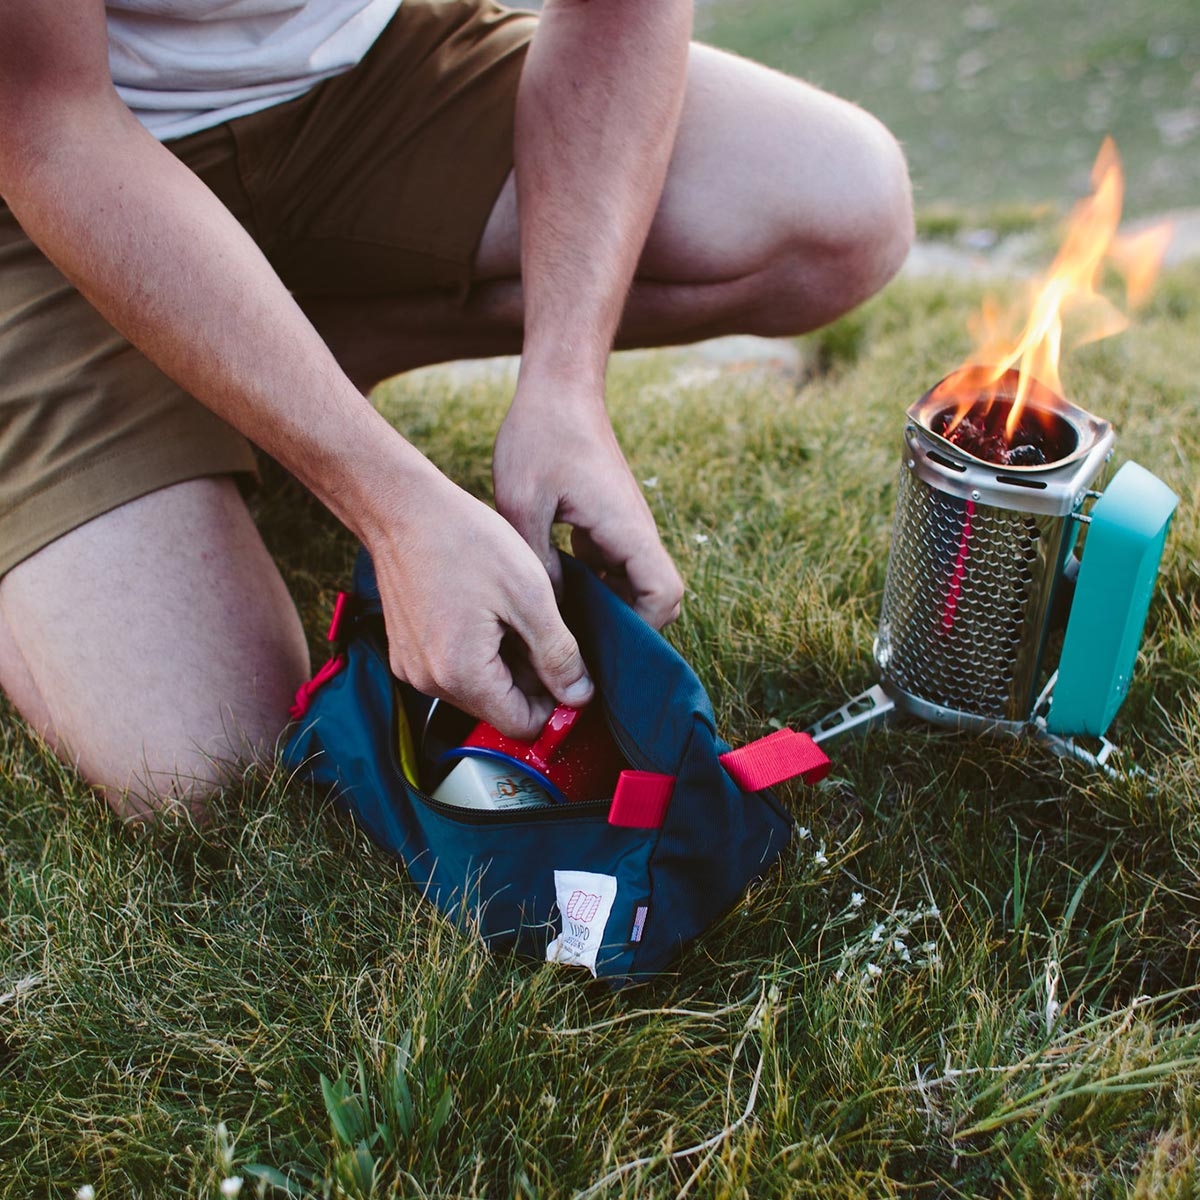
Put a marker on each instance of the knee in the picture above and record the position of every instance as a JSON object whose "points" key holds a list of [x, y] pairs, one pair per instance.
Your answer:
{"points": [[830, 262], [876, 229], [181, 764], [173, 783]]}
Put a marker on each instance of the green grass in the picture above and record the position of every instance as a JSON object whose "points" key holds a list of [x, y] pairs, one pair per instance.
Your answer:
{"points": [[878, 1019], [1001, 102]]}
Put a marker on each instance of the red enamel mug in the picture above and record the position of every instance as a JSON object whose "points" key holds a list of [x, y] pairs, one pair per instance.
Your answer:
{"points": [[574, 757]]}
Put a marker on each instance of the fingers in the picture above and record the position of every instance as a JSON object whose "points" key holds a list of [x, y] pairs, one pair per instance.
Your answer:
{"points": [[491, 678], [516, 709], [647, 581], [656, 586], [515, 654], [554, 655], [496, 647], [533, 520], [517, 691]]}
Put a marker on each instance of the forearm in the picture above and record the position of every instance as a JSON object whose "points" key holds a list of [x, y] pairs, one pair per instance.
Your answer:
{"points": [[597, 112], [167, 265]]}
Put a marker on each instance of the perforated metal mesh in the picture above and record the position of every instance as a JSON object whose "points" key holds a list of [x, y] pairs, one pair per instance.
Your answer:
{"points": [[961, 623]]}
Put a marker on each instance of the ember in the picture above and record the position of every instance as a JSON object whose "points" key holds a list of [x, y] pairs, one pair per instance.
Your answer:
{"points": [[975, 414], [974, 438], [982, 434]]}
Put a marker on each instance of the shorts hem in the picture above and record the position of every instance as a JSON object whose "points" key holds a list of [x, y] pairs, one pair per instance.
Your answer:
{"points": [[76, 497]]}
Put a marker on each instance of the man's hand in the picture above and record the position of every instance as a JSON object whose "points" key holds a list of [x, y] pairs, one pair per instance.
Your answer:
{"points": [[557, 459], [467, 603], [470, 613]]}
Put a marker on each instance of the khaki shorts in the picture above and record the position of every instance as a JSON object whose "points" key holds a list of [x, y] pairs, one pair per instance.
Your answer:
{"points": [[379, 181]]}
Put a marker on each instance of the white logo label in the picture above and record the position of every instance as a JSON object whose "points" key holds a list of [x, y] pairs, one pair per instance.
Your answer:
{"points": [[585, 900]]}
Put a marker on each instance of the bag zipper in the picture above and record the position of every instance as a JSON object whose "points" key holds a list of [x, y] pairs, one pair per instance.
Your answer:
{"points": [[634, 755], [511, 816]]}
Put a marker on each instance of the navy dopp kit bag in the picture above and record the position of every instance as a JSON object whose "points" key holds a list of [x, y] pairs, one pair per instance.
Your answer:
{"points": [[619, 885]]}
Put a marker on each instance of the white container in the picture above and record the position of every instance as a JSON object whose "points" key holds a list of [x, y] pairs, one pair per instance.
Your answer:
{"points": [[485, 783]]}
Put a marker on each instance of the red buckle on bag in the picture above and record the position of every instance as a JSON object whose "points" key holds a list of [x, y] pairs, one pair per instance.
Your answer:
{"points": [[774, 758]]}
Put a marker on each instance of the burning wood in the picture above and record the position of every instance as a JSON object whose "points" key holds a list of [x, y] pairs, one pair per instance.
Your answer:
{"points": [[978, 437], [985, 430], [973, 411]]}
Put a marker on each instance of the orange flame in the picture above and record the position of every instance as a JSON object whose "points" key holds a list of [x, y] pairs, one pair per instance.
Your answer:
{"points": [[1070, 287]]}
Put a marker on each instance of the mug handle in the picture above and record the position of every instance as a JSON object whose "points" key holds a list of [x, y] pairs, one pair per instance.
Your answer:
{"points": [[562, 721]]}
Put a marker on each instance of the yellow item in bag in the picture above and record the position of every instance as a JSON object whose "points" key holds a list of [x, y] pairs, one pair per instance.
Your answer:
{"points": [[404, 743]]}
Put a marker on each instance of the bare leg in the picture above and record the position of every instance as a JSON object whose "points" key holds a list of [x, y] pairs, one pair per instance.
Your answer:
{"points": [[156, 646], [783, 208]]}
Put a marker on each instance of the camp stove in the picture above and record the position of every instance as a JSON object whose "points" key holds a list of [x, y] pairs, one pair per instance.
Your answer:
{"points": [[991, 620]]}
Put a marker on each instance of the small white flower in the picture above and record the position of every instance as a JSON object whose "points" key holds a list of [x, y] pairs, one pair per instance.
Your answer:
{"points": [[877, 934], [930, 947], [232, 1186], [803, 832], [874, 970], [820, 858], [652, 482], [700, 538], [87, 1192], [898, 945], [857, 899], [933, 911]]}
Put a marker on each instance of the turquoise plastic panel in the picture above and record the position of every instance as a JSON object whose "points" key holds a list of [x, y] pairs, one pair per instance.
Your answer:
{"points": [[1112, 597]]}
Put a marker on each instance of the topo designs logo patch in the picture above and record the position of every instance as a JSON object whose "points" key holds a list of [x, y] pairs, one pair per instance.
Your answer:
{"points": [[582, 905], [585, 900]]}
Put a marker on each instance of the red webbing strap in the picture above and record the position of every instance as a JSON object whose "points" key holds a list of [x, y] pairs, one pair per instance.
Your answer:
{"points": [[641, 799], [339, 613], [779, 756], [309, 688]]}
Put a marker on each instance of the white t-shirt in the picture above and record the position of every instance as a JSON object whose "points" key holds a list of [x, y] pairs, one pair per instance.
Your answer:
{"points": [[184, 65]]}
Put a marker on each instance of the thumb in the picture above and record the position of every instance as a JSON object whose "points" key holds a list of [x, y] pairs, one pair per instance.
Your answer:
{"points": [[555, 657]]}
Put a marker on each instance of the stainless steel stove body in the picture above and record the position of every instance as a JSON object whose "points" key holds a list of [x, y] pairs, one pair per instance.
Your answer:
{"points": [[978, 555], [980, 571]]}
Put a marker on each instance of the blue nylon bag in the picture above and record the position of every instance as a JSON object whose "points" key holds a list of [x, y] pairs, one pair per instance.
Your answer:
{"points": [[560, 881]]}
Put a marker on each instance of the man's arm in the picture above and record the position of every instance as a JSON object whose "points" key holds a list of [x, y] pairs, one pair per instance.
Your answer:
{"points": [[597, 111], [169, 267]]}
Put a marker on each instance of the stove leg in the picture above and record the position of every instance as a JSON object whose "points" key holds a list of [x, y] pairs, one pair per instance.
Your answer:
{"points": [[873, 707], [1068, 747], [1065, 745]]}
